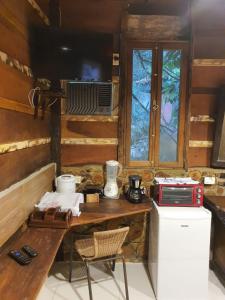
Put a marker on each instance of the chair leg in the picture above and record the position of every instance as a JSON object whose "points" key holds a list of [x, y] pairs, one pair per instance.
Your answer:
{"points": [[125, 278], [71, 258], [89, 280], [113, 265]]}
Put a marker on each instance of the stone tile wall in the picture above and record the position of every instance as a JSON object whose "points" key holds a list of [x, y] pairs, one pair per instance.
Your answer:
{"points": [[136, 244]]}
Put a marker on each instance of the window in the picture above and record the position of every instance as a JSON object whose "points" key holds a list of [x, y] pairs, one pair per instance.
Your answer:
{"points": [[155, 102]]}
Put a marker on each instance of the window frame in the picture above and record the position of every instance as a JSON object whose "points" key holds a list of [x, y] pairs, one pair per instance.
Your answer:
{"points": [[154, 128]]}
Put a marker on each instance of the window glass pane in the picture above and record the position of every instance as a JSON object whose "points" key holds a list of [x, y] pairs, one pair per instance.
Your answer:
{"points": [[141, 101], [170, 103]]}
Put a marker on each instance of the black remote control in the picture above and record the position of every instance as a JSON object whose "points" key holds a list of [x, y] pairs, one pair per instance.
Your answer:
{"points": [[19, 257], [30, 251]]}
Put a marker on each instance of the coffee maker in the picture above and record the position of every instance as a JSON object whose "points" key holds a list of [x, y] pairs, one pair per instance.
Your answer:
{"points": [[134, 192]]}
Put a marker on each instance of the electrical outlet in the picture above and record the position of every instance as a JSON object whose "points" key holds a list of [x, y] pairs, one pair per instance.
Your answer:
{"points": [[209, 180]]}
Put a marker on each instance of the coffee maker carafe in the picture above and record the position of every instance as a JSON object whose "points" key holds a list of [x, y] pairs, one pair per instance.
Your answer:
{"points": [[135, 193], [113, 169]]}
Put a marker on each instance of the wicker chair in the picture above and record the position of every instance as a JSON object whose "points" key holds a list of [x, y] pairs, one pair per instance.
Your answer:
{"points": [[104, 246]]}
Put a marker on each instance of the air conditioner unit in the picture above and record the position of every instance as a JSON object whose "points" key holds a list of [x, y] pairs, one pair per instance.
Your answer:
{"points": [[89, 98]]}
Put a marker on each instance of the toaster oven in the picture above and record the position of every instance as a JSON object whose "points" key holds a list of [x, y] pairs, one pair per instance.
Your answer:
{"points": [[179, 194]]}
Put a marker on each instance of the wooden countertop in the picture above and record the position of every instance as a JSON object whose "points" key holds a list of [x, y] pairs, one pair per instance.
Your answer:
{"points": [[108, 209], [217, 201], [24, 282], [217, 205]]}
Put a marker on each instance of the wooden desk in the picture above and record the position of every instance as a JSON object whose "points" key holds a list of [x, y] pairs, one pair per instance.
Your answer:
{"points": [[217, 205], [24, 282], [108, 209]]}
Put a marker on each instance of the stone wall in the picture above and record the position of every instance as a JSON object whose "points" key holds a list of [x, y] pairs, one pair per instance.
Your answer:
{"points": [[135, 246], [137, 240], [95, 174]]}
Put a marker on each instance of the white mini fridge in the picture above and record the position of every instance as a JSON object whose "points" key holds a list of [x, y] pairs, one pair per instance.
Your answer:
{"points": [[179, 248]]}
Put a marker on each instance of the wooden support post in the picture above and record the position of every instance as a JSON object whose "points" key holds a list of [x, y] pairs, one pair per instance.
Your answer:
{"points": [[54, 17]]}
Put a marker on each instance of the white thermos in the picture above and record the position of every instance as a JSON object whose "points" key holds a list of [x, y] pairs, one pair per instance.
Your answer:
{"points": [[65, 184]]}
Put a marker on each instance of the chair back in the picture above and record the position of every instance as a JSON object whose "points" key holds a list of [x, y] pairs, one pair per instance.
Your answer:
{"points": [[108, 243]]}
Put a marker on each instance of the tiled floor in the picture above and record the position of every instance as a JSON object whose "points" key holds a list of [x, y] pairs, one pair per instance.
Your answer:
{"points": [[106, 286]]}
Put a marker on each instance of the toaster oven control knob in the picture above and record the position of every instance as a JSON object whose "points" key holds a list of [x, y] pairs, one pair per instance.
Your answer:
{"points": [[198, 201], [198, 196], [199, 190]]}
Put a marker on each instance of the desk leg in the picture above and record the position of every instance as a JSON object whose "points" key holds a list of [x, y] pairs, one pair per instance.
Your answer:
{"points": [[113, 265], [71, 256], [60, 252]]}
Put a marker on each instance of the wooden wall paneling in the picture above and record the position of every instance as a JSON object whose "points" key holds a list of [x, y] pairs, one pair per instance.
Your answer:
{"points": [[11, 38], [19, 164], [44, 6], [208, 15], [199, 157], [21, 13], [202, 131], [71, 129], [34, 4], [209, 45], [16, 21], [18, 126], [87, 154], [203, 104], [18, 201], [101, 16], [16, 106], [208, 76], [14, 84]]}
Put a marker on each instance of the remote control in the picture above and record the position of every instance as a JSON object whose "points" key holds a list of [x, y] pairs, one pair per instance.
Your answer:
{"points": [[30, 251], [19, 257]]}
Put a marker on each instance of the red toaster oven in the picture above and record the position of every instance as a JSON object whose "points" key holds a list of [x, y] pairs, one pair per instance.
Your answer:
{"points": [[179, 194]]}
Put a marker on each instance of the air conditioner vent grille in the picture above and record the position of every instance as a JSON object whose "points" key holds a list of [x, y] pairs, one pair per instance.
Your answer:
{"points": [[89, 98]]}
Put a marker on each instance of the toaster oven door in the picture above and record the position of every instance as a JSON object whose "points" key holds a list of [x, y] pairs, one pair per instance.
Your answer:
{"points": [[177, 195]]}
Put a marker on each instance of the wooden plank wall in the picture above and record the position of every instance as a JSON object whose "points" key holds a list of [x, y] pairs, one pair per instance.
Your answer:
{"points": [[24, 142], [208, 74], [18, 201], [88, 140], [91, 139]]}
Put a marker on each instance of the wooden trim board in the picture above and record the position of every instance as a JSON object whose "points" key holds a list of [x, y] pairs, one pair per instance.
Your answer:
{"points": [[89, 118], [202, 118], [17, 202], [89, 141], [10, 147], [208, 62], [18, 106], [200, 144], [41, 14]]}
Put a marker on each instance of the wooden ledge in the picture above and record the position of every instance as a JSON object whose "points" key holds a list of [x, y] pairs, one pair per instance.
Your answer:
{"points": [[24, 282], [109, 209]]}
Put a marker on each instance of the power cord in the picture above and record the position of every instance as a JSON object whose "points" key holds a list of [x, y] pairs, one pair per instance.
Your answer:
{"points": [[31, 95]]}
